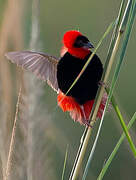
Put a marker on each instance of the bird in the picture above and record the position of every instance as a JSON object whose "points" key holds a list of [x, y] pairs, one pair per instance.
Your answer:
{"points": [[61, 72]]}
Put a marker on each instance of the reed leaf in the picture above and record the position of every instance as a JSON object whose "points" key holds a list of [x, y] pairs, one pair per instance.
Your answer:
{"points": [[113, 39], [128, 13], [64, 166], [99, 97], [114, 152], [83, 69], [118, 67]]}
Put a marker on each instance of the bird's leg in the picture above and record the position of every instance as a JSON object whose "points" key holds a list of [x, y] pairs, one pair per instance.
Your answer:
{"points": [[84, 120]]}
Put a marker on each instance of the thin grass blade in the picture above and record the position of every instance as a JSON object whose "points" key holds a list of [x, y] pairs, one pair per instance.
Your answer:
{"points": [[117, 71], [126, 15], [118, 112], [107, 164], [84, 134], [114, 34], [64, 165], [123, 25]]}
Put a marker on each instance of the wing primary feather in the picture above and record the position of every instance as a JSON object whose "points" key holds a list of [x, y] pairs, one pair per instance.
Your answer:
{"points": [[41, 64]]}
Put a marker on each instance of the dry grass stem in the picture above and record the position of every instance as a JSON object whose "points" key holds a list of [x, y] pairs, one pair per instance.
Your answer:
{"points": [[12, 141]]}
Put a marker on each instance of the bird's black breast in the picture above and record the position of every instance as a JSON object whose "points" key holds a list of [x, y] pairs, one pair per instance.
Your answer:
{"points": [[86, 87]]}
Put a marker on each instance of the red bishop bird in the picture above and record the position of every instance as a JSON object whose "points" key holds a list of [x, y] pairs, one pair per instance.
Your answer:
{"points": [[61, 73]]}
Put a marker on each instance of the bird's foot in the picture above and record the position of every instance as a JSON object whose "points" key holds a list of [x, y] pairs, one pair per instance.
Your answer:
{"points": [[86, 123], [101, 83]]}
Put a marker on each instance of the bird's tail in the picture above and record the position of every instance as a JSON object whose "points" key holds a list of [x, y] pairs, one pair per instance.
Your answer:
{"points": [[78, 112]]}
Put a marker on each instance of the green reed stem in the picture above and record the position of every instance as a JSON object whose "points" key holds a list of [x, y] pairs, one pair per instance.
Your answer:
{"points": [[114, 152]]}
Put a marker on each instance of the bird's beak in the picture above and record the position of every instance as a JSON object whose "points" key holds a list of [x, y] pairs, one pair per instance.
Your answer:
{"points": [[88, 45]]}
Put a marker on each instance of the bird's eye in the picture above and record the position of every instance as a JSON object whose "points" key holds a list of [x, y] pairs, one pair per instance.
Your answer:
{"points": [[80, 41]]}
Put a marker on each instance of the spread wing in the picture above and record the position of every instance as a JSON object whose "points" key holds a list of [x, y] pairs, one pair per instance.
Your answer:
{"points": [[41, 64]]}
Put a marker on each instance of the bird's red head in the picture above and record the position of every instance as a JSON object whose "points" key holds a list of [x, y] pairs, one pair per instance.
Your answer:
{"points": [[76, 44]]}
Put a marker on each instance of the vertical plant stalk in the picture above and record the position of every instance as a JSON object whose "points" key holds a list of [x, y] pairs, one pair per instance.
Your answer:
{"points": [[113, 39], [112, 57], [117, 70], [12, 141], [126, 20], [86, 140], [12, 13], [82, 71], [32, 92], [130, 8], [101, 91]]}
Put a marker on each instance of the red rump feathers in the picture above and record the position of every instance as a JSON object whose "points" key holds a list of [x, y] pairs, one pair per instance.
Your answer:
{"points": [[79, 113]]}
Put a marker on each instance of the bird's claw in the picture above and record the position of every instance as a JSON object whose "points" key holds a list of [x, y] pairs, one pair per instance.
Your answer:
{"points": [[101, 83], [86, 123]]}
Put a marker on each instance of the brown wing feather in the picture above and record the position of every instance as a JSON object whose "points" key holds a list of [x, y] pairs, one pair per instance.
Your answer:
{"points": [[41, 64]]}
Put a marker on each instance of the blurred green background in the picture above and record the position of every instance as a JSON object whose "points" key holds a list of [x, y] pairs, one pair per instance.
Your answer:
{"points": [[43, 131]]}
